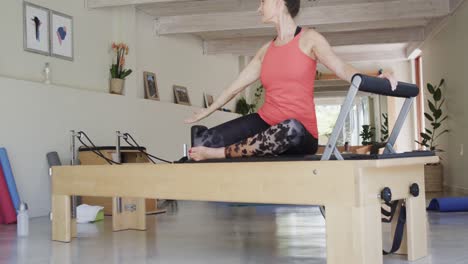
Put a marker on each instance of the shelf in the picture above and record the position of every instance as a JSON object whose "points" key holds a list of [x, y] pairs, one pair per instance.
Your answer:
{"points": [[331, 86]]}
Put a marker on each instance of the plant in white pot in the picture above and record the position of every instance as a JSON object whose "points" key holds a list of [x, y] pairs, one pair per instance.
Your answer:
{"points": [[433, 132], [117, 71]]}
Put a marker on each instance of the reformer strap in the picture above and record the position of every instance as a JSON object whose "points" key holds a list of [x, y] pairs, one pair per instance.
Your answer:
{"points": [[393, 206], [399, 230]]}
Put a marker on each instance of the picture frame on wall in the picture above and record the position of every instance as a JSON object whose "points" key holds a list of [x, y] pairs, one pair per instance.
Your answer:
{"points": [[151, 86], [181, 95], [209, 99], [36, 26], [61, 35]]}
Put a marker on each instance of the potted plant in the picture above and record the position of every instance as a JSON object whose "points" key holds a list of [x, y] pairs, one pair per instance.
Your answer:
{"points": [[367, 135], [244, 108], [384, 128], [117, 71], [435, 117]]}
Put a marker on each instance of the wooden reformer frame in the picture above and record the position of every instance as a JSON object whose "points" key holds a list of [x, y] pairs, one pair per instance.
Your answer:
{"points": [[350, 190]]}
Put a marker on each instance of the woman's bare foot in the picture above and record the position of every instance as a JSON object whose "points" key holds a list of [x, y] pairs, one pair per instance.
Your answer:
{"points": [[204, 153]]}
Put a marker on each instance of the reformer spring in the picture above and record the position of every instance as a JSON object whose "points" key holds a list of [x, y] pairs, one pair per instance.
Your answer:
{"points": [[150, 157]]}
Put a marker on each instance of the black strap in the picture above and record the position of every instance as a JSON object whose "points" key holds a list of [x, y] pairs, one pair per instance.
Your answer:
{"points": [[393, 206], [298, 30], [398, 236]]}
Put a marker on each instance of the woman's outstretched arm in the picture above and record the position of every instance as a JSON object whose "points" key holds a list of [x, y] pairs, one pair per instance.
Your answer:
{"points": [[325, 55], [249, 75]]}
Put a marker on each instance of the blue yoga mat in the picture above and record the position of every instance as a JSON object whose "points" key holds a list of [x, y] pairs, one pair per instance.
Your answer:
{"points": [[449, 204], [5, 163]]}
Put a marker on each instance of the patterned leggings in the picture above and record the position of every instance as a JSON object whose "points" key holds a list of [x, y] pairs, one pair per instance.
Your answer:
{"points": [[251, 136]]}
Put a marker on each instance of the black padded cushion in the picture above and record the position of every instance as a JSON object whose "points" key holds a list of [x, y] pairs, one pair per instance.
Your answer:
{"points": [[383, 87], [317, 157], [83, 148]]}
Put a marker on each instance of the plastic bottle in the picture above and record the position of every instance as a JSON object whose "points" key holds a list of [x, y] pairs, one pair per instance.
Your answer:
{"points": [[23, 220], [47, 73]]}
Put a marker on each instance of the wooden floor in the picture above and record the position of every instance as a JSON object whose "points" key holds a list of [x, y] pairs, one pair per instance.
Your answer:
{"points": [[200, 232]]}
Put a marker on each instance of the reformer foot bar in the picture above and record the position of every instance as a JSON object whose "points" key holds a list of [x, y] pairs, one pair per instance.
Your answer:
{"points": [[350, 187]]}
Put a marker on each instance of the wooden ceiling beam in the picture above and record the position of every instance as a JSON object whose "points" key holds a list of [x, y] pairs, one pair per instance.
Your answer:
{"points": [[270, 32], [385, 36], [185, 7], [318, 16], [114, 3], [178, 8]]}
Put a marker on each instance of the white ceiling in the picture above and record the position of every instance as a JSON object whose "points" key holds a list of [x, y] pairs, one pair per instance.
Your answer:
{"points": [[359, 30]]}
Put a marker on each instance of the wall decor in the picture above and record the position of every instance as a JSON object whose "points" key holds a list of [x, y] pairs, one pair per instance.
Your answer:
{"points": [[181, 95], [151, 86], [208, 100], [61, 35], [36, 29]]}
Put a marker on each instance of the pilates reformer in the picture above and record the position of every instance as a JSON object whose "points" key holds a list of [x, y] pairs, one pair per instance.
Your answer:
{"points": [[119, 204], [351, 187]]}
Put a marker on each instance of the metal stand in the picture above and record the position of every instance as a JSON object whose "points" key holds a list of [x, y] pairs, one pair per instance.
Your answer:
{"points": [[346, 108], [127, 213], [74, 199], [117, 158]]}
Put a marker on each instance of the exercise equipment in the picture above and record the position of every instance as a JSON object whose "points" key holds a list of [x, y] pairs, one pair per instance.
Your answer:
{"points": [[350, 186], [7, 210], [377, 86], [10, 180], [53, 159], [449, 204]]}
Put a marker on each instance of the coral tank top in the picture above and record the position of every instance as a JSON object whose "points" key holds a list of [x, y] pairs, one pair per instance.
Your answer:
{"points": [[288, 77]]}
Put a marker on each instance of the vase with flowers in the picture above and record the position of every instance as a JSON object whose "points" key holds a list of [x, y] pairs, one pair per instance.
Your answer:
{"points": [[117, 70]]}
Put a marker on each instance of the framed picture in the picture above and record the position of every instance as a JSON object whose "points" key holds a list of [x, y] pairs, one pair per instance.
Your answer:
{"points": [[151, 87], [61, 35], [208, 100], [181, 95], [36, 29]]}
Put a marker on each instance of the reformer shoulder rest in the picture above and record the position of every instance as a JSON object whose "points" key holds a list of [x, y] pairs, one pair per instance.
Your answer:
{"points": [[382, 86]]}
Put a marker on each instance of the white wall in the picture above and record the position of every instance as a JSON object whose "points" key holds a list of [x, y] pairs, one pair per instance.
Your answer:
{"points": [[445, 56], [180, 60], [36, 118], [92, 33], [175, 59]]}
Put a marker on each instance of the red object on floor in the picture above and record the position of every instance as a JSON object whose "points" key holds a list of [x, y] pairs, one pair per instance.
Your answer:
{"points": [[7, 210]]}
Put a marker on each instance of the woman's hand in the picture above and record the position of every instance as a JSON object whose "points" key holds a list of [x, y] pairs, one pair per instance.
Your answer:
{"points": [[391, 78], [198, 115]]}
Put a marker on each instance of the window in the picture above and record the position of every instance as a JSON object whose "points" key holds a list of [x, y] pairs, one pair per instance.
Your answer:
{"points": [[328, 109]]}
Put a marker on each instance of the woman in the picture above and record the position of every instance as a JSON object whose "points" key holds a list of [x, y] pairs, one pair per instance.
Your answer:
{"points": [[286, 123]]}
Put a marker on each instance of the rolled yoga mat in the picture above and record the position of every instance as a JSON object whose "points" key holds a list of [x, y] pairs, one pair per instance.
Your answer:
{"points": [[5, 163], [7, 211], [449, 204], [53, 159]]}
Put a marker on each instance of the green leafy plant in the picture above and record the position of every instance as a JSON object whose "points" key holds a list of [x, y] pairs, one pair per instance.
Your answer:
{"points": [[435, 117], [257, 96], [117, 70], [244, 108], [367, 135], [384, 128]]}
